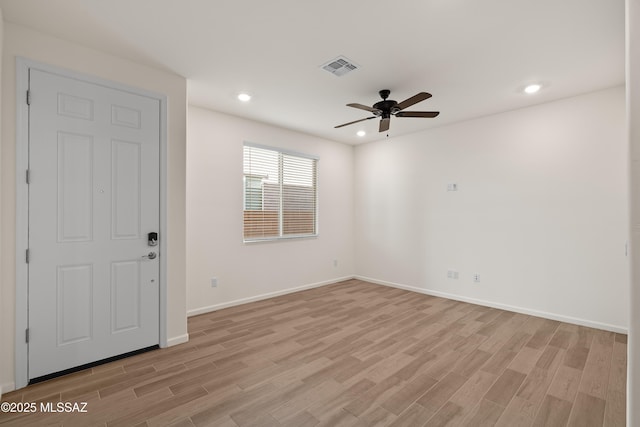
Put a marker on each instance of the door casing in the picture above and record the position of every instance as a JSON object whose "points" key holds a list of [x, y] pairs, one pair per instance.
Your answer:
{"points": [[23, 65]]}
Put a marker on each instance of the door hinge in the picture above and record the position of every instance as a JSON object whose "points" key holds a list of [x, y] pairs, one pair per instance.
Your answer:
{"points": [[28, 97], [28, 177], [26, 335], [27, 256]]}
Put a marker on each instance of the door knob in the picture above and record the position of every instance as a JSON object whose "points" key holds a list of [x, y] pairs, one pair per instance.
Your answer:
{"points": [[150, 255]]}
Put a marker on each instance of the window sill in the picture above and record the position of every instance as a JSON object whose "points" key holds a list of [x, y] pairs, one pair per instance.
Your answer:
{"points": [[279, 239]]}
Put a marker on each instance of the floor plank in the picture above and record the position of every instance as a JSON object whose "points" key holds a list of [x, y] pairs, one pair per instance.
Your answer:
{"points": [[353, 354]]}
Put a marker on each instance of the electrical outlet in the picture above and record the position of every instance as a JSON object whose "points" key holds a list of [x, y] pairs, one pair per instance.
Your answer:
{"points": [[214, 282], [452, 186], [452, 274], [476, 278], [335, 262]]}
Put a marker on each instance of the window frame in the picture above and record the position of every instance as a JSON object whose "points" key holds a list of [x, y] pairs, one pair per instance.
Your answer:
{"points": [[281, 236]]}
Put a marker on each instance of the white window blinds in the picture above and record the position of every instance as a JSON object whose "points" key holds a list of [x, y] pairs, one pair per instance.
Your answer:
{"points": [[280, 194]]}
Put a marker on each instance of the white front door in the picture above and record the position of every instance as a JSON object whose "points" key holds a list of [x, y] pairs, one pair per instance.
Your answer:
{"points": [[93, 199]]}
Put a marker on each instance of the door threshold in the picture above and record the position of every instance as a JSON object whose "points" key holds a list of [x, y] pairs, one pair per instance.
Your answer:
{"points": [[91, 365]]}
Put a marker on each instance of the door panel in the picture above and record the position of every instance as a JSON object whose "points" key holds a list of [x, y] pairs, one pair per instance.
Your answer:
{"points": [[126, 191], [75, 308], [75, 176], [93, 197], [125, 296]]}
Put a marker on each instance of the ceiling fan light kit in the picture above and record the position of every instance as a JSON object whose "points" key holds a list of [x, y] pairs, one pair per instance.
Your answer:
{"points": [[387, 107]]}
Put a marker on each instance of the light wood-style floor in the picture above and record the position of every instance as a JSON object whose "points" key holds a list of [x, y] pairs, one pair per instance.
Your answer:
{"points": [[354, 353]]}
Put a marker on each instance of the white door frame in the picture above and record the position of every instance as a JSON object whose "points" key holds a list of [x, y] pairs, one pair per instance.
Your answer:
{"points": [[23, 66]]}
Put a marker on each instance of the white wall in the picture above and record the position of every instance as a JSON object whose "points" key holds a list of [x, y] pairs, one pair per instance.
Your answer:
{"points": [[214, 216], [540, 214], [20, 41], [4, 357], [633, 126]]}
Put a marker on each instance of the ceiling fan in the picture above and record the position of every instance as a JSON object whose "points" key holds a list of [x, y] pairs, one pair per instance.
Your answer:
{"points": [[388, 107]]}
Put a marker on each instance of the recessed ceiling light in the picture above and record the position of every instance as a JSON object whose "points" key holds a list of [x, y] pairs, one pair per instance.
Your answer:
{"points": [[361, 133], [532, 88], [244, 97]]}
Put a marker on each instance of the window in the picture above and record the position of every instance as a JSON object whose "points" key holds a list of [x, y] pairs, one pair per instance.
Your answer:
{"points": [[279, 194]]}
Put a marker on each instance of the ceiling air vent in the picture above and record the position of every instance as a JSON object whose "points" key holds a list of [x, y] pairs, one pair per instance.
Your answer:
{"points": [[339, 66]]}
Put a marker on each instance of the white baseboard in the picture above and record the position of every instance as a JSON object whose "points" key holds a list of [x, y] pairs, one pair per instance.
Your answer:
{"points": [[522, 310], [210, 308], [177, 340]]}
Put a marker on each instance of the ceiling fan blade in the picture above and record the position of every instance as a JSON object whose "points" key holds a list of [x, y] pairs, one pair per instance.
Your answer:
{"points": [[356, 121], [413, 100], [384, 125], [429, 114], [363, 107]]}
